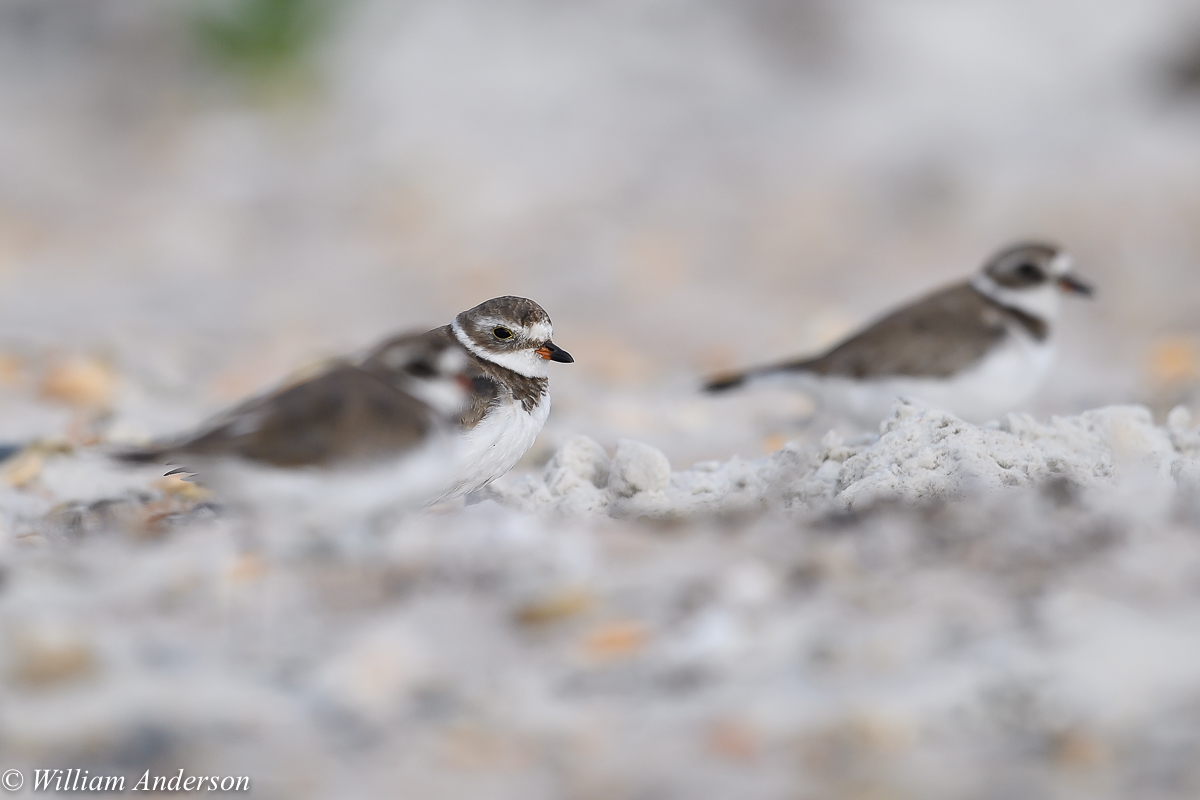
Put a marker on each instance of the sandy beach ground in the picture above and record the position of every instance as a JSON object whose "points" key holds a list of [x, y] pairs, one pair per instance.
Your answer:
{"points": [[673, 595]]}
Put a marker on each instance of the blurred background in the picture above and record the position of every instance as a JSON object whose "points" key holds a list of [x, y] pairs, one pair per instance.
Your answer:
{"points": [[198, 197]]}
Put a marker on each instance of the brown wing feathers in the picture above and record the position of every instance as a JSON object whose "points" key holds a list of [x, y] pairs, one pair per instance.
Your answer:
{"points": [[932, 338], [343, 415]]}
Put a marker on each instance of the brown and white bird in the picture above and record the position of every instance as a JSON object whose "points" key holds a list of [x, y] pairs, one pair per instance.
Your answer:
{"points": [[355, 439], [421, 418], [977, 348], [508, 341]]}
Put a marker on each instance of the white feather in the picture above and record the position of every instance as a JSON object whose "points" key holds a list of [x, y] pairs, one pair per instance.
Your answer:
{"points": [[496, 444], [540, 332]]}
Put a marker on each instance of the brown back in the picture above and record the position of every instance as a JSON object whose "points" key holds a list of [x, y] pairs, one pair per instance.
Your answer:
{"points": [[343, 415], [933, 338]]}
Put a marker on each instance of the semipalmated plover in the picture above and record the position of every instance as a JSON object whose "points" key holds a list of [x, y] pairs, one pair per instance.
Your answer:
{"points": [[420, 418], [508, 343], [977, 348], [356, 438]]}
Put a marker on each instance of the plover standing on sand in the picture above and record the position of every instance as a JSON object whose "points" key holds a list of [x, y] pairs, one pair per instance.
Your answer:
{"points": [[352, 440], [421, 418], [977, 348], [509, 345]]}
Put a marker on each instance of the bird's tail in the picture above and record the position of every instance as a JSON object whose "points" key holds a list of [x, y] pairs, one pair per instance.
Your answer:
{"points": [[791, 369], [150, 455], [139, 455], [725, 383]]}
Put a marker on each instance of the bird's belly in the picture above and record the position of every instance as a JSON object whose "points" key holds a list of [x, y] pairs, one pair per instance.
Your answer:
{"points": [[409, 481], [496, 444], [1001, 381]]}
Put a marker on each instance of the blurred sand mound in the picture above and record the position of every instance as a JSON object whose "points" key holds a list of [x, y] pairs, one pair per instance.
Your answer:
{"points": [[920, 454]]}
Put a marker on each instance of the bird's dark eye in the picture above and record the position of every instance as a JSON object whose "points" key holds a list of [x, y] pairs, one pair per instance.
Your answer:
{"points": [[421, 369], [502, 333], [1028, 270]]}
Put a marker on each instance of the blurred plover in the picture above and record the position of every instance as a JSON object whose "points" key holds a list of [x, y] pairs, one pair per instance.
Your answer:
{"points": [[355, 438], [420, 418], [976, 348]]}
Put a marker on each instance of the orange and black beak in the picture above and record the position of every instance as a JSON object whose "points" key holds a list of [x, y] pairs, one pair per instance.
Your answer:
{"points": [[1072, 285], [552, 352]]}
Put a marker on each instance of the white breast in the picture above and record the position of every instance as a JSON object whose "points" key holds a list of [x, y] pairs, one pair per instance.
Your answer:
{"points": [[496, 444]]}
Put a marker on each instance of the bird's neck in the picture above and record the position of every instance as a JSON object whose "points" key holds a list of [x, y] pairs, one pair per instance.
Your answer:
{"points": [[1041, 302]]}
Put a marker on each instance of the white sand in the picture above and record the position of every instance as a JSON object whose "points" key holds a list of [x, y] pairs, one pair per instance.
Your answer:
{"points": [[688, 186], [947, 610], [920, 454]]}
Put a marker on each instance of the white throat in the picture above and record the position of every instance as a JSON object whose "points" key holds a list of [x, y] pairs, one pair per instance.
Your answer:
{"points": [[1041, 302], [522, 362]]}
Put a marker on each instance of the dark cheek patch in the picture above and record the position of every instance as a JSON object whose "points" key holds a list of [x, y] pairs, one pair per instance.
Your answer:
{"points": [[479, 337]]}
